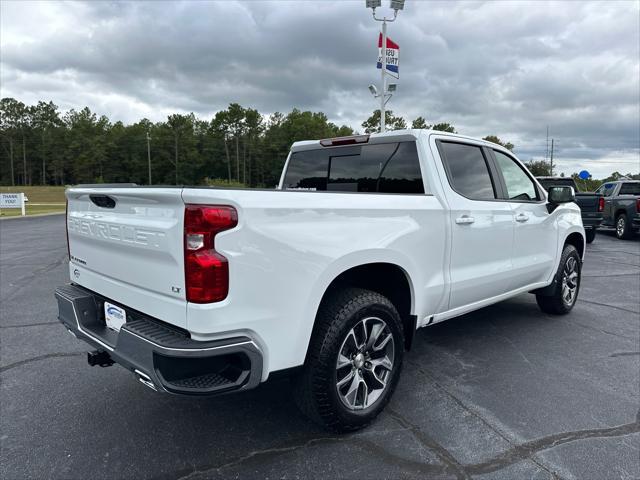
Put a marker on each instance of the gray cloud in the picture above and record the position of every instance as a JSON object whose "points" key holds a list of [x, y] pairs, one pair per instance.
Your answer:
{"points": [[500, 68]]}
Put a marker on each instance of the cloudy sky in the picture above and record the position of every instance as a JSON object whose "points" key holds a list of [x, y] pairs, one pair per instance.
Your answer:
{"points": [[497, 67]]}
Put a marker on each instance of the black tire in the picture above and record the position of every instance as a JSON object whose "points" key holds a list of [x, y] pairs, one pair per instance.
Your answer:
{"points": [[590, 235], [556, 303], [623, 229], [316, 391]]}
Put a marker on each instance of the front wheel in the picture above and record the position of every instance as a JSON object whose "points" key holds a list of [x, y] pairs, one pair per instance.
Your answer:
{"points": [[590, 235], [354, 360], [567, 284]]}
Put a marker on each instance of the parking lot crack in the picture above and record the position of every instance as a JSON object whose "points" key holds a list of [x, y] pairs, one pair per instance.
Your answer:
{"points": [[453, 465], [624, 354], [528, 449], [37, 359], [30, 325], [480, 417], [358, 439], [608, 306], [591, 327]]}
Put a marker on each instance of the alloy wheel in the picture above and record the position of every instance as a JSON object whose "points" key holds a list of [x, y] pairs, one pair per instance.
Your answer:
{"points": [[365, 363], [620, 225], [570, 281]]}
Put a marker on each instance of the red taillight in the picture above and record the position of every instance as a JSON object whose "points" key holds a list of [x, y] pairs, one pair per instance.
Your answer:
{"points": [[601, 204], [206, 271], [638, 205]]}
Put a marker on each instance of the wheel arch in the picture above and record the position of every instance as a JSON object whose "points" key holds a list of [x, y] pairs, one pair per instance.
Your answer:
{"points": [[384, 277], [577, 240], [619, 211]]}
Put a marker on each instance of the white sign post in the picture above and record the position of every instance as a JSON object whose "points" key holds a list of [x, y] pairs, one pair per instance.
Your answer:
{"points": [[12, 200]]}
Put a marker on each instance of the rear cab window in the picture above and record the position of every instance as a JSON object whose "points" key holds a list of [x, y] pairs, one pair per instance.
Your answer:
{"points": [[630, 188], [377, 168]]}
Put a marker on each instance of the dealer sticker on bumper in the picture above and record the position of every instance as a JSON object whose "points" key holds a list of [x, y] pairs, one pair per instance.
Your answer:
{"points": [[114, 316]]}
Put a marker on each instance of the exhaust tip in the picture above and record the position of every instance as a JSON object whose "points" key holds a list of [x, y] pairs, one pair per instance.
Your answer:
{"points": [[145, 380]]}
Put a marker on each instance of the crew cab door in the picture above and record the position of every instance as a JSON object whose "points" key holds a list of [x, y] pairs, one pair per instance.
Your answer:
{"points": [[606, 190], [535, 236], [481, 224]]}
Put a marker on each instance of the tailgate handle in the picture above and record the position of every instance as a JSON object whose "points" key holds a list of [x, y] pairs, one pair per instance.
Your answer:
{"points": [[104, 201]]}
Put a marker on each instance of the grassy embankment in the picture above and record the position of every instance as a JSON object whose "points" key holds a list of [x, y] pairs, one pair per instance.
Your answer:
{"points": [[41, 200]]}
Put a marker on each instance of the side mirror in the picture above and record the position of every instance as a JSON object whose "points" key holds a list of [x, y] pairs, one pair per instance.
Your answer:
{"points": [[558, 195]]}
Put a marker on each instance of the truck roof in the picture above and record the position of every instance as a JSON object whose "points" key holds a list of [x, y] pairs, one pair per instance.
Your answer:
{"points": [[405, 134], [622, 180], [555, 177]]}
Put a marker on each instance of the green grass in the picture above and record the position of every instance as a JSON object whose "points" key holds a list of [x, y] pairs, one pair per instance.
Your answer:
{"points": [[41, 200], [39, 194], [31, 210]]}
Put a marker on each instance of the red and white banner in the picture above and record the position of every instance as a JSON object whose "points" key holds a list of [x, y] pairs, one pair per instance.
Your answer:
{"points": [[393, 57]]}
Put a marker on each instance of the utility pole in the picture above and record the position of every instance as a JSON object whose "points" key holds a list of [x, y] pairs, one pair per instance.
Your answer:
{"points": [[383, 74], [149, 155], [546, 155], [552, 157], [44, 163]]}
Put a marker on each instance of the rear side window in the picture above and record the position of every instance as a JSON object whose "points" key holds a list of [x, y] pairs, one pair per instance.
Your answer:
{"points": [[630, 189], [379, 168], [467, 170]]}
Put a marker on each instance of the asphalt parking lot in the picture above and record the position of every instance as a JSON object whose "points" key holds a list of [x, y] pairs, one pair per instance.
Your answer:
{"points": [[506, 392]]}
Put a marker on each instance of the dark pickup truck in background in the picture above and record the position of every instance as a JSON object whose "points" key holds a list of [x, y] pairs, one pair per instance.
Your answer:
{"points": [[621, 206], [591, 204]]}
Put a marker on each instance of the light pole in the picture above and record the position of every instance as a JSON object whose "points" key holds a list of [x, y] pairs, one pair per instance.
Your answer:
{"points": [[384, 94], [149, 155]]}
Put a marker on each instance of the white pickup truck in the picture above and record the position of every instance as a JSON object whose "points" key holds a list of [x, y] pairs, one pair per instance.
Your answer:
{"points": [[201, 291]]}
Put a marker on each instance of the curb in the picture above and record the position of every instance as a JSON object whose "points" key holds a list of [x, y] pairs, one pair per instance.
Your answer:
{"points": [[35, 215]]}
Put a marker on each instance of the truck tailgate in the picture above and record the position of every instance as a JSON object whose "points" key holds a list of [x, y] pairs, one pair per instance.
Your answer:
{"points": [[588, 202], [127, 245]]}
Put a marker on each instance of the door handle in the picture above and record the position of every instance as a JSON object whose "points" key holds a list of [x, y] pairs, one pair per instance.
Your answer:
{"points": [[465, 220], [522, 217]]}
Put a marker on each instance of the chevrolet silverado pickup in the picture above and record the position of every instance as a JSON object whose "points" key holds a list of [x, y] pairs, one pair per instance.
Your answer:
{"points": [[621, 206], [202, 291], [591, 204]]}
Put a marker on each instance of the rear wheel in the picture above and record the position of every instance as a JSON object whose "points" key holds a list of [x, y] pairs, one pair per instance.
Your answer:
{"points": [[567, 284], [590, 235], [354, 360], [623, 229]]}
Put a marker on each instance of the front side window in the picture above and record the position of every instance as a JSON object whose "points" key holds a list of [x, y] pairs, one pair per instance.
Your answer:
{"points": [[467, 171], [519, 186], [378, 168], [630, 189]]}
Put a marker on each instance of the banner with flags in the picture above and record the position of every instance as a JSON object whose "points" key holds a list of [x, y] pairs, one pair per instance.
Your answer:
{"points": [[393, 57]]}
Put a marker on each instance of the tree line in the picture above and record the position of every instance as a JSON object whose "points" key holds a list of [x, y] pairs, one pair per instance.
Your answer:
{"points": [[40, 145], [43, 146]]}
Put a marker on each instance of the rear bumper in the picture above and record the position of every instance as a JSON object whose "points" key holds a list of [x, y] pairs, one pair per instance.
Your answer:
{"points": [[635, 222], [163, 357], [592, 220]]}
